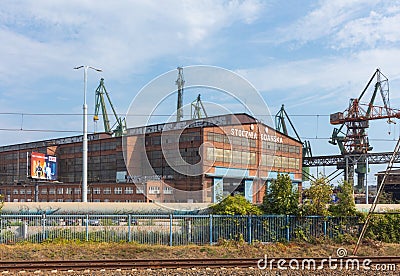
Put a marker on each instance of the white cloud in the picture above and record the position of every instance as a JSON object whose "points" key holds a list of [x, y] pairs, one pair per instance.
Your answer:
{"points": [[122, 36], [324, 20], [378, 29], [315, 80]]}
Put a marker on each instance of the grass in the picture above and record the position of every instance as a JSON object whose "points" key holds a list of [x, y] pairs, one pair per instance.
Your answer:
{"points": [[69, 250]]}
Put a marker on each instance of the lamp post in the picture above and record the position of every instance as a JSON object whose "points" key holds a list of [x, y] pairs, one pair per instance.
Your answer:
{"points": [[84, 140]]}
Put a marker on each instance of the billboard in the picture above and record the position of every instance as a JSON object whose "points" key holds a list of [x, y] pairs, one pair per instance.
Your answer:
{"points": [[43, 166]]}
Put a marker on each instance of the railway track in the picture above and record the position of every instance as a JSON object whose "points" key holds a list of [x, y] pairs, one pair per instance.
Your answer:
{"points": [[259, 263]]}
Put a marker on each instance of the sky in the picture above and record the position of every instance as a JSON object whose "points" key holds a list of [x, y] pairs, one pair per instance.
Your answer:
{"points": [[311, 56]]}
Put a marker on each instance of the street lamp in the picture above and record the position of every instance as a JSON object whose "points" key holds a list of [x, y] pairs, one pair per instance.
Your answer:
{"points": [[84, 141]]}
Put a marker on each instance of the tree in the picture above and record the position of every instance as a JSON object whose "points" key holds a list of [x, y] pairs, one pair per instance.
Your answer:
{"points": [[235, 205], [318, 196], [280, 197], [345, 206], [386, 198]]}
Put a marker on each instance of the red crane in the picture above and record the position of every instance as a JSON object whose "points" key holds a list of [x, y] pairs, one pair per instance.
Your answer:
{"points": [[357, 116], [356, 119]]}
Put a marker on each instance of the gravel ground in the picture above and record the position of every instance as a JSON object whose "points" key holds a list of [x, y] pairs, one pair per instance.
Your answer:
{"points": [[218, 272]]}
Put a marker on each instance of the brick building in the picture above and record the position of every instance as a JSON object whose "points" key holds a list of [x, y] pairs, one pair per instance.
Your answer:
{"points": [[188, 161]]}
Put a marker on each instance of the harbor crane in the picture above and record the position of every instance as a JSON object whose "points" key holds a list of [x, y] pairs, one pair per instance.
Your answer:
{"points": [[196, 109], [355, 119], [119, 126], [281, 126]]}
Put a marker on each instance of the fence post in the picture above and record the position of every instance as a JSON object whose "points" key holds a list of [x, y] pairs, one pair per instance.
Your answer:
{"points": [[43, 226], [87, 227], [129, 227], [287, 228], [325, 226], [249, 229], [211, 229], [170, 229]]}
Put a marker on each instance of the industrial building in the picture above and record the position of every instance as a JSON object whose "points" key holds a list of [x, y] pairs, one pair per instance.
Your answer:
{"points": [[221, 155], [392, 183]]}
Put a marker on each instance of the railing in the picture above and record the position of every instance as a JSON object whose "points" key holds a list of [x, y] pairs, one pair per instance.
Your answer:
{"points": [[170, 229]]}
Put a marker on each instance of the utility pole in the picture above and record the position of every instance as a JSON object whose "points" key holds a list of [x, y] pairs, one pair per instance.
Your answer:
{"points": [[84, 140]]}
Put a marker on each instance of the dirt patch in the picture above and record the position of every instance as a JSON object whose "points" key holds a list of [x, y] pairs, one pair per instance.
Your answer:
{"points": [[67, 250]]}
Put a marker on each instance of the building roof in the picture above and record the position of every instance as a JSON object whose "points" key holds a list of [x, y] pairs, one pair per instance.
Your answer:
{"points": [[220, 120]]}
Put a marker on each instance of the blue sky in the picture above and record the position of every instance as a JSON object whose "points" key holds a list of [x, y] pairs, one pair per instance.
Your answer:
{"points": [[312, 56]]}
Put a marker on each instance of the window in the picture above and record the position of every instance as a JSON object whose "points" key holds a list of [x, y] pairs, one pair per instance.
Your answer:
{"points": [[252, 158], [22, 191], [210, 154], [28, 191], [96, 191], [44, 192], [60, 191], [15, 192], [236, 156], [139, 190], [52, 191], [245, 157], [118, 190], [219, 154], [227, 156], [68, 191], [167, 191], [77, 191], [107, 191], [154, 190], [128, 190]]}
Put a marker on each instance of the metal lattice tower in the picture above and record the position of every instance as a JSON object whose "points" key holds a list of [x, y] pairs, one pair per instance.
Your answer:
{"points": [[179, 107]]}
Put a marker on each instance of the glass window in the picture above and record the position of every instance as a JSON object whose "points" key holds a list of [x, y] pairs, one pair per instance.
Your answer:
{"points": [[52, 191], [107, 191], [128, 190], [252, 158], [139, 190], [118, 190], [219, 154], [278, 162], [44, 192], [77, 191], [285, 162], [245, 157], [210, 154], [227, 156], [96, 191], [236, 156], [22, 191], [15, 192], [60, 191]]}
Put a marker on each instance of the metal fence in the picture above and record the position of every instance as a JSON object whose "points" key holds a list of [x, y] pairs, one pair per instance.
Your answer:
{"points": [[170, 229]]}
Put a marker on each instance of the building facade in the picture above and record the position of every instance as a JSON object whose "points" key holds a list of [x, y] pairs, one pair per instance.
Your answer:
{"points": [[189, 161]]}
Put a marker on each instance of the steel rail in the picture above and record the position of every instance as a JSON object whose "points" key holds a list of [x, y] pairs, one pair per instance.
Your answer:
{"points": [[65, 265]]}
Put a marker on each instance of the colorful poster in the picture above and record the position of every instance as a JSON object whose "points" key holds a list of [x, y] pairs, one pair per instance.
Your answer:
{"points": [[43, 166]]}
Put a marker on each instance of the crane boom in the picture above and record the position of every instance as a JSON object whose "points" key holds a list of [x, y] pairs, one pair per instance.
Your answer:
{"points": [[356, 119], [120, 125]]}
